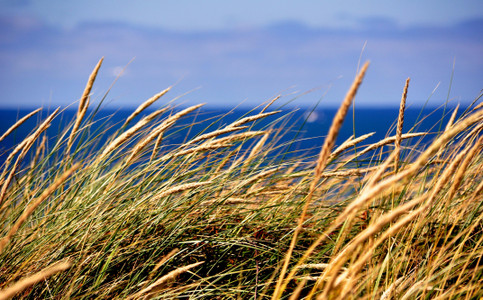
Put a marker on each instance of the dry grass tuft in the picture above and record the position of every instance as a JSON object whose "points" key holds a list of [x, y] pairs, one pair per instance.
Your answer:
{"points": [[25, 283], [161, 282], [159, 208], [34, 204]]}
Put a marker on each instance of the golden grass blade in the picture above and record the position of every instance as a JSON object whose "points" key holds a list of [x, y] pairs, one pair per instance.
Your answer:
{"points": [[25, 283], [452, 118], [252, 118], [158, 284], [258, 147], [237, 162], [458, 178], [235, 137], [257, 177], [400, 122], [34, 204], [6, 182], [337, 123], [379, 172], [478, 106], [314, 266], [229, 201], [79, 118], [341, 174], [83, 104], [146, 104], [24, 146], [180, 188], [88, 88], [163, 261], [478, 190], [130, 132], [450, 123], [214, 144], [255, 151], [200, 148], [160, 129], [321, 164], [473, 133], [223, 163], [18, 123], [387, 295], [270, 103], [30, 139], [157, 144], [390, 140], [39, 152], [420, 285], [298, 290], [214, 134], [349, 144], [447, 136]]}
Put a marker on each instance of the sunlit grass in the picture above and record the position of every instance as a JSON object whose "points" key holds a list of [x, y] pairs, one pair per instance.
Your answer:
{"points": [[230, 214]]}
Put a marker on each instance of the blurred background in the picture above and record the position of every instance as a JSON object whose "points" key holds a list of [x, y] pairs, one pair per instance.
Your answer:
{"points": [[240, 53]]}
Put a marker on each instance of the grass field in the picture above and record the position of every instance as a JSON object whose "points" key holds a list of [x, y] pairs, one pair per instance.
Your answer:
{"points": [[227, 215]]}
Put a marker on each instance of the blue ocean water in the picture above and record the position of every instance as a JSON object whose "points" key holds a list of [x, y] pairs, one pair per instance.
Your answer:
{"points": [[304, 128]]}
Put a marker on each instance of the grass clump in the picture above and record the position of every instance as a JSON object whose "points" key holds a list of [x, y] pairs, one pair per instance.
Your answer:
{"points": [[228, 214]]}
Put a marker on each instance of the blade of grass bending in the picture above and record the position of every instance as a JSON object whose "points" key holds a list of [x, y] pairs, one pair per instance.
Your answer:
{"points": [[18, 123], [213, 134], [22, 284], [129, 133], [452, 118], [400, 122], [158, 284], [160, 129], [321, 164], [24, 146], [252, 118], [145, 105], [83, 104], [103, 98], [270, 103], [462, 169], [349, 143]]}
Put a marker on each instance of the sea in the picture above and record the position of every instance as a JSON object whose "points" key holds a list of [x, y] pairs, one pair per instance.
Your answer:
{"points": [[300, 131]]}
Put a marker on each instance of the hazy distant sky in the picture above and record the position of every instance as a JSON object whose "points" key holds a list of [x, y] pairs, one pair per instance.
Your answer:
{"points": [[221, 14], [243, 51]]}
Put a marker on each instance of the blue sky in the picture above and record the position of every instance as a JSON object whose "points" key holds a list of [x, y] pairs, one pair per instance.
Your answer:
{"points": [[227, 53]]}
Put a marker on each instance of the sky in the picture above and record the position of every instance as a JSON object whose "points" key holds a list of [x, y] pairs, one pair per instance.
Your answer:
{"points": [[228, 53]]}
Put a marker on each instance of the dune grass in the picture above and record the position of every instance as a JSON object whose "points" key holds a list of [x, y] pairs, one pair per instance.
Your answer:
{"points": [[229, 215]]}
